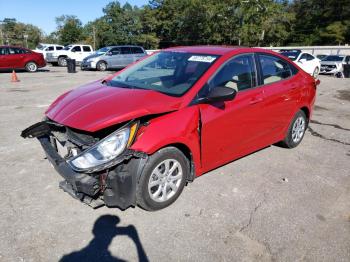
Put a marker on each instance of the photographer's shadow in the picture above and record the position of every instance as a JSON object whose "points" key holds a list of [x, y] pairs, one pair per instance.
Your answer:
{"points": [[105, 229]]}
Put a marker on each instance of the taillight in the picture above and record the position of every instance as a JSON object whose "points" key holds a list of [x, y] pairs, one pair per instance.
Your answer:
{"points": [[317, 82]]}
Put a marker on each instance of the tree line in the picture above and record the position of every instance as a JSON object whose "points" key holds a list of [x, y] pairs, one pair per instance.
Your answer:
{"points": [[163, 23]]}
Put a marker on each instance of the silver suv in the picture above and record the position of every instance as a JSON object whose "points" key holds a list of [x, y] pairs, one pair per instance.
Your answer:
{"points": [[113, 57]]}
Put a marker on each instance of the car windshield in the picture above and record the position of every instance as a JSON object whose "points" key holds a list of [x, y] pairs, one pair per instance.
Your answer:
{"points": [[40, 47], [334, 58], [292, 55], [102, 50], [171, 73], [67, 47]]}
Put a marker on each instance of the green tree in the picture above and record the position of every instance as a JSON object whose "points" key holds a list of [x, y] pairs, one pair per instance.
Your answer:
{"points": [[69, 29]]}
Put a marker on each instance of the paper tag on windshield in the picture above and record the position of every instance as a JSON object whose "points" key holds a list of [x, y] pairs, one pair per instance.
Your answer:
{"points": [[202, 58]]}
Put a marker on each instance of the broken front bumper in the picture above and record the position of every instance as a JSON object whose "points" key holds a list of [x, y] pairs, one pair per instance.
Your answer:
{"points": [[113, 187]]}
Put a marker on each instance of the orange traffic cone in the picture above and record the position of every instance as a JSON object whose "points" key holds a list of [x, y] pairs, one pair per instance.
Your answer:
{"points": [[14, 77]]}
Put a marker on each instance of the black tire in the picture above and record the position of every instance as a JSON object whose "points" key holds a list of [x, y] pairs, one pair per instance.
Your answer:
{"points": [[31, 67], [62, 61], [289, 141], [101, 66], [143, 196]]}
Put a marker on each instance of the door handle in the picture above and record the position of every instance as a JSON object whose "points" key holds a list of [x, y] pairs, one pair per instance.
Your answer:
{"points": [[255, 100]]}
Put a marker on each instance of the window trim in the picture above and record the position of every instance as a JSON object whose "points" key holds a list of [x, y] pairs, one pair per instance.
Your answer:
{"points": [[258, 54], [230, 59]]}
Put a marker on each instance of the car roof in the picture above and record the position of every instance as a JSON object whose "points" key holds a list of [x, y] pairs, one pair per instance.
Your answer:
{"points": [[110, 46], [206, 49]]}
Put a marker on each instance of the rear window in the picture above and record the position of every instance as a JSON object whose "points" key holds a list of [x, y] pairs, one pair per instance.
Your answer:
{"points": [[15, 51], [86, 48], [274, 69], [125, 50], [3, 51], [136, 50]]}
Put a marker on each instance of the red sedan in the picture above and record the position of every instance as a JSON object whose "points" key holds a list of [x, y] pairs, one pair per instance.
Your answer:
{"points": [[14, 57], [138, 137]]}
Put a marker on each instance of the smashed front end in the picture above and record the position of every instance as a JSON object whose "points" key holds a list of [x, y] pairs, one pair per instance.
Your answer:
{"points": [[98, 168]]}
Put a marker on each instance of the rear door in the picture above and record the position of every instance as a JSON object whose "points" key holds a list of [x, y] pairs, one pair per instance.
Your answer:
{"points": [[126, 57], [232, 129], [281, 94], [16, 57]]}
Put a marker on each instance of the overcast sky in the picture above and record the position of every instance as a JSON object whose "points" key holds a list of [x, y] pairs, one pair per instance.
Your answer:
{"points": [[42, 13]]}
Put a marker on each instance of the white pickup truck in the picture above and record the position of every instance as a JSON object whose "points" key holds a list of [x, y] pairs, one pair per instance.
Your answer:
{"points": [[77, 52]]}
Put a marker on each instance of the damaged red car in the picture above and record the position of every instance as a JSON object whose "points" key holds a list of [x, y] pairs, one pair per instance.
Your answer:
{"points": [[139, 136]]}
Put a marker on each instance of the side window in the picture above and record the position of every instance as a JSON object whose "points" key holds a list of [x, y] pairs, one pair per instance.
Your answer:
{"points": [[274, 69], [125, 50], [76, 49], [59, 47], [50, 48], [86, 48], [15, 51], [303, 56], [309, 57], [115, 51], [239, 74], [136, 50], [347, 59], [3, 51]]}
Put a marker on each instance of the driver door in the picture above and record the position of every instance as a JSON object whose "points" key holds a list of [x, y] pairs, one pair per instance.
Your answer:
{"points": [[232, 129]]}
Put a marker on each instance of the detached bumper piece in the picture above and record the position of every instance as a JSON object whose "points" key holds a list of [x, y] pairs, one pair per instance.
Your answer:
{"points": [[79, 185], [114, 187]]}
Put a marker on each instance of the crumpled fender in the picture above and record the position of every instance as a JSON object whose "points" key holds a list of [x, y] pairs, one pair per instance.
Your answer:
{"points": [[179, 127]]}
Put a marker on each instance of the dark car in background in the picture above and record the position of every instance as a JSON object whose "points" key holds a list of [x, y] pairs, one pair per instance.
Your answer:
{"points": [[111, 57], [14, 57]]}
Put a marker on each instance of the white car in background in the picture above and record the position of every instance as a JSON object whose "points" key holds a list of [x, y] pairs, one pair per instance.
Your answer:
{"points": [[334, 65], [47, 48], [309, 63], [77, 52]]}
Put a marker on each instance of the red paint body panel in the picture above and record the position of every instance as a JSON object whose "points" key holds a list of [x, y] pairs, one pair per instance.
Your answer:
{"points": [[214, 133], [97, 106], [19, 61], [180, 127]]}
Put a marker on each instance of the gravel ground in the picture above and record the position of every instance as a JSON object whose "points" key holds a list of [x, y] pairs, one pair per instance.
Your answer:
{"points": [[273, 205]]}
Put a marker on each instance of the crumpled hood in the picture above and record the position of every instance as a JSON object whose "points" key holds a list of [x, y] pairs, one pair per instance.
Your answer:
{"points": [[96, 106]]}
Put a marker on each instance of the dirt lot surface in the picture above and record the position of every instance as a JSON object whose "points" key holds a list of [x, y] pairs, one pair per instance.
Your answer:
{"points": [[273, 205]]}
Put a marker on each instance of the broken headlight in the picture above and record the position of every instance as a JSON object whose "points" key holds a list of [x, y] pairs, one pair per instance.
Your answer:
{"points": [[105, 150]]}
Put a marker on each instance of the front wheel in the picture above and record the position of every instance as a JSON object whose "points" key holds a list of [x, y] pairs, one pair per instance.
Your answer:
{"points": [[163, 179], [31, 67], [296, 130], [101, 66]]}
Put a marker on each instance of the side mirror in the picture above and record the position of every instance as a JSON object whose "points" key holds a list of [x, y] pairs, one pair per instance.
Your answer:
{"points": [[302, 60], [73, 50], [109, 53], [218, 94]]}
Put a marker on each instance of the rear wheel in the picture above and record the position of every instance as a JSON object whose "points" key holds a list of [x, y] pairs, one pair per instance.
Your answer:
{"points": [[296, 130], [62, 61], [162, 179], [31, 67], [101, 66]]}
